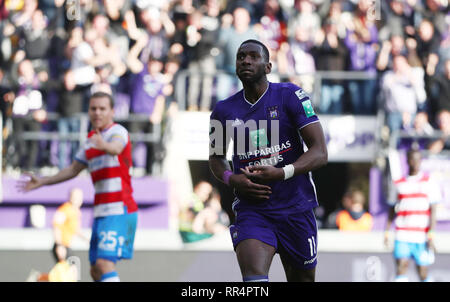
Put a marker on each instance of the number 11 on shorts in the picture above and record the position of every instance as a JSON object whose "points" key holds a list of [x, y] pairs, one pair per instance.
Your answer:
{"points": [[312, 246]]}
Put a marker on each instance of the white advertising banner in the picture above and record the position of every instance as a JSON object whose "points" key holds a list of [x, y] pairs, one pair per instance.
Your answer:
{"points": [[350, 138], [191, 134]]}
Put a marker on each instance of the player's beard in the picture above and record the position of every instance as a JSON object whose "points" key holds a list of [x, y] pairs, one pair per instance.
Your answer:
{"points": [[254, 78]]}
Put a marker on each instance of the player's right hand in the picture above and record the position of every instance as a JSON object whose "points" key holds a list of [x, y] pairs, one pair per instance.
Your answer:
{"points": [[248, 189], [30, 184]]}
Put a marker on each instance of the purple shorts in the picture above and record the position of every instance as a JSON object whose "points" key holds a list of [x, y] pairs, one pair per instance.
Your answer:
{"points": [[292, 234]]}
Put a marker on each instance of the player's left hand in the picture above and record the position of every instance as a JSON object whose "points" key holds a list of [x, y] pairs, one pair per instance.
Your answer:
{"points": [[97, 140], [263, 174]]}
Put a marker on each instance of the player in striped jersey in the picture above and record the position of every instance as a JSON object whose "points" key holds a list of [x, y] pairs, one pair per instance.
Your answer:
{"points": [[107, 156], [414, 214]]}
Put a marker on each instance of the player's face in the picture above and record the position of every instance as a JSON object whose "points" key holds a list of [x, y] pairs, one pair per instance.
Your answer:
{"points": [[251, 64], [100, 112], [414, 160]]}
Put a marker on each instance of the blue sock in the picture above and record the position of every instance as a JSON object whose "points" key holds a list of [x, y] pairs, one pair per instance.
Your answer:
{"points": [[257, 278], [110, 277]]}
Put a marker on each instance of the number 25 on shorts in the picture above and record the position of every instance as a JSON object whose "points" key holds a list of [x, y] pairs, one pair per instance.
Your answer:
{"points": [[108, 240]]}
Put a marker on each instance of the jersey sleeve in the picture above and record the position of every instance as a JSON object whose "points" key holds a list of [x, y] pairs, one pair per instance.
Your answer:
{"points": [[80, 156], [120, 133], [299, 107]]}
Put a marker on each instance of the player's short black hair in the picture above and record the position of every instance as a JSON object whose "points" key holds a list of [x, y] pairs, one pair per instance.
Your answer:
{"points": [[264, 47], [101, 94]]}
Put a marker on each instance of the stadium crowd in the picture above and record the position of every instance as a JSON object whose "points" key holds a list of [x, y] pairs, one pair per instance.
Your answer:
{"points": [[55, 53]]}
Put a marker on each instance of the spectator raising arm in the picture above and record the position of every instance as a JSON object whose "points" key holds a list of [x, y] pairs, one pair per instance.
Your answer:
{"points": [[134, 64]]}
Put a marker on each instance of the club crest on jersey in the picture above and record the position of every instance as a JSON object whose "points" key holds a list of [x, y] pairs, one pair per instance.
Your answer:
{"points": [[301, 94], [273, 112]]}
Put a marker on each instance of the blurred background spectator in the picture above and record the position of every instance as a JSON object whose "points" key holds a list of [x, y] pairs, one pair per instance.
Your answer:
{"points": [[404, 93], [147, 97], [28, 113], [202, 216], [201, 35], [346, 201], [330, 53], [67, 225], [443, 120], [362, 43], [211, 219], [70, 105], [236, 28], [355, 216]]}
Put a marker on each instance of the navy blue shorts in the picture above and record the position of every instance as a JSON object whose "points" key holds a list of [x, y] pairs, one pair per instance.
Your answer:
{"points": [[293, 234]]}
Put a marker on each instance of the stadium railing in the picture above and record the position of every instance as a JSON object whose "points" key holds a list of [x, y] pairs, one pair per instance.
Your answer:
{"points": [[53, 135], [80, 136], [182, 81]]}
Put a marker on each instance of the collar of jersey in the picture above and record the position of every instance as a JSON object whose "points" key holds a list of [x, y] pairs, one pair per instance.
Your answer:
{"points": [[107, 128], [416, 177], [253, 105]]}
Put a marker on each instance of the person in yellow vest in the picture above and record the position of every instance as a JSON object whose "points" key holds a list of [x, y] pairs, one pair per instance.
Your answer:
{"points": [[67, 225], [62, 271], [355, 218]]}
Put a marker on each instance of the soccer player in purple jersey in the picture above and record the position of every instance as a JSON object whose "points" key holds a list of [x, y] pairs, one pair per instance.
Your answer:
{"points": [[278, 141]]}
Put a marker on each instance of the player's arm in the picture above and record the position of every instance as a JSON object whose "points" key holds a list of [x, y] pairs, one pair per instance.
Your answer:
{"points": [[65, 174], [314, 158], [317, 154], [430, 235], [113, 147], [218, 145]]}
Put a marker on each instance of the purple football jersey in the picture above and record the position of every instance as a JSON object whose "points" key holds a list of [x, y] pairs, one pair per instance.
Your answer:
{"points": [[268, 133]]}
